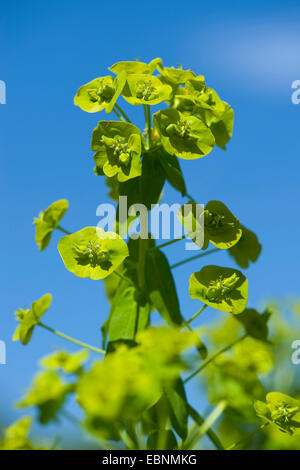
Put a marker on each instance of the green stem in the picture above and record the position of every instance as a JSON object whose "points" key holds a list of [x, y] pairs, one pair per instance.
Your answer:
{"points": [[213, 357], [146, 123], [122, 112], [186, 323], [246, 438], [149, 123], [80, 343], [170, 242], [210, 433], [63, 230], [192, 258], [123, 277], [117, 114]]}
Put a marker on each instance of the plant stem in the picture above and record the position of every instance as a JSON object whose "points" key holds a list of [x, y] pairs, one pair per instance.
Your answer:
{"points": [[246, 438], [123, 277], [80, 343], [146, 123], [186, 323], [117, 114], [213, 357], [149, 123], [63, 230], [206, 425], [210, 433], [170, 242], [122, 112], [192, 258]]}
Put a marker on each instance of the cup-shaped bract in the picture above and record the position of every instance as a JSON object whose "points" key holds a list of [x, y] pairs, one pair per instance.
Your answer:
{"points": [[222, 228], [145, 89], [47, 221], [118, 149], [281, 410], [225, 289], [196, 98], [136, 67], [29, 318], [214, 223], [92, 253], [101, 93], [185, 136], [176, 76]]}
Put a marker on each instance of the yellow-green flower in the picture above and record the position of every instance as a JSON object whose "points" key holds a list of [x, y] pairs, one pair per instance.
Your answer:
{"points": [[92, 253]]}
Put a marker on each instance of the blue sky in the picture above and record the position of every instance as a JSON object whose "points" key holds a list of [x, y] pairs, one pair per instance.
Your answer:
{"points": [[248, 52]]}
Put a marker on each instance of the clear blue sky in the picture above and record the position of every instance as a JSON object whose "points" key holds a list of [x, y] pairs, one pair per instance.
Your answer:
{"points": [[248, 52]]}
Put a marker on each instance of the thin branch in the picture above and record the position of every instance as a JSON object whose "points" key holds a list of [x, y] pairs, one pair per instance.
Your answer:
{"points": [[213, 357], [192, 258], [80, 343], [63, 230], [246, 438], [122, 112]]}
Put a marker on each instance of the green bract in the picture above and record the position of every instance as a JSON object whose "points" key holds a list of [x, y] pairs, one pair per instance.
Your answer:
{"points": [[185, 136], [174, 77], [145, 89], [135, 67], [69, 363], [29, 318], [196, 98], [118, 147], [247, 249], [225, 289], [129, 381], [281, 410], [101, 93], [16, 435], [221, 227], [92, 253], [48, 393], [48, 220]]}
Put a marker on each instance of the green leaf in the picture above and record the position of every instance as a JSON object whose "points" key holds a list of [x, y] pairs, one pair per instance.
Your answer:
{"points": [[92, 253], [173, 171], [185, 136], [101, 93], [247, 249], [178, 408], [161, 287], [47, 221], [145, 89], [28, 319], [167, 437], [254, 323], [225, 289], [129, 314], [118, 149]]}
